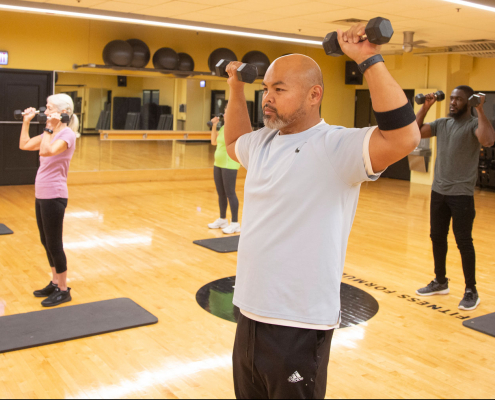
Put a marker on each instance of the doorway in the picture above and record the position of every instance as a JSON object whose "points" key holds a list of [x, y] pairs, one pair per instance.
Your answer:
{"points": [[20, 89]]}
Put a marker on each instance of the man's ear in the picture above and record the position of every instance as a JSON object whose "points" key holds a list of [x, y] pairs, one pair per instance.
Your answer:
{"points": [[316, 94]]}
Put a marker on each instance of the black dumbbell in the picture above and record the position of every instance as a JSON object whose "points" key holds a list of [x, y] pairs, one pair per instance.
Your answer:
{"points": [[19, 114], [43, 118], [220, 123], [421, 98], [245, 73], [378, 31], [475, 100]]}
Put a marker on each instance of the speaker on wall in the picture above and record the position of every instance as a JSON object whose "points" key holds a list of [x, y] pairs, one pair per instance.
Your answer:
{"points": [[122, 81], [353, 75]]}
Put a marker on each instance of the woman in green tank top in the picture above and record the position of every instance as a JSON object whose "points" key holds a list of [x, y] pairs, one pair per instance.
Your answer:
{"points": [[225, 175]]}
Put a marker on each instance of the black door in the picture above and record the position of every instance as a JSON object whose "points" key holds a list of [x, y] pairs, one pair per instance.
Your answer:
{"points": [[364, 117], [19, 90]]}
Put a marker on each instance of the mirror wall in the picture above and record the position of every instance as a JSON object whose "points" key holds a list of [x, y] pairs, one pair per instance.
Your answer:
{"points": [[145, 103]]}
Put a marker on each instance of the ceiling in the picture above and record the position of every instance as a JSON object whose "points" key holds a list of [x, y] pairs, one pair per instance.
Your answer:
{"points": [[437, 22]]}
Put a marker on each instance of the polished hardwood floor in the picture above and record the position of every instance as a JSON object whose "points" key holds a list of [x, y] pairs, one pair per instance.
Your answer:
{"points": [[135, 240]]}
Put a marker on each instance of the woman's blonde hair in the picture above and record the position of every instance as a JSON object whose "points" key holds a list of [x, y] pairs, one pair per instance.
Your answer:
{"points": [[64, 102]]}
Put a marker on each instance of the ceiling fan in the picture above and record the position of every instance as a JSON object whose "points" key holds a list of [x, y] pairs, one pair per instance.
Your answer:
{"points": [[409, 43]]}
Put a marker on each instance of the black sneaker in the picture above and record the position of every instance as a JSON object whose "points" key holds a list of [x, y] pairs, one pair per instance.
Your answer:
{"points": [[434, 288], [46, 291], [56, 298], [470, 301]]}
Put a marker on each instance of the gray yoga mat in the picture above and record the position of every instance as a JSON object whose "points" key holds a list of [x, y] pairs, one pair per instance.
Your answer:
{"points": [[4, 230], [220, 245], [484, 324], [23, 331]]}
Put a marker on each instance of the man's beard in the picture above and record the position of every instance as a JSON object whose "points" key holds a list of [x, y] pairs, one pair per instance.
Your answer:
{"points": [[459, 113], [281, 121]]}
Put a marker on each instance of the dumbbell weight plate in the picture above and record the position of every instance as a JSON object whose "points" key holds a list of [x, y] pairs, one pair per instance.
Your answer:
{"points": [[440, 95], [18, 115], [247, 73], [379, 31], [420, 99], [221, 68], [332, 46], [474, 100]]}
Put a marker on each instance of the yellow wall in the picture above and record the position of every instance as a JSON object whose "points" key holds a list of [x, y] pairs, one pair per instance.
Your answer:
{"points": [[56, 43]]}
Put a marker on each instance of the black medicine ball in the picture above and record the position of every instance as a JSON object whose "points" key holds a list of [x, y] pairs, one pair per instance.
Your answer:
{"points": [[141, 53], [186, 62], [166, 58], [220, 54], [118, 53], [259, 59]]}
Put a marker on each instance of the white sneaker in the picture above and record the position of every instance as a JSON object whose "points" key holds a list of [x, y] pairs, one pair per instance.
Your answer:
{"points": [[219, 224], [234, 227]]}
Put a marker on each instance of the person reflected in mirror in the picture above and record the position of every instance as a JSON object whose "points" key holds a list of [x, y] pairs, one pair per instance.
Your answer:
{"points": [[225, 175]]}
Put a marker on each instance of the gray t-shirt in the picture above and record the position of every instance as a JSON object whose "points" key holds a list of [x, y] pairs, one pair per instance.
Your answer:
{"points": [[301, 195], [458, 154]]}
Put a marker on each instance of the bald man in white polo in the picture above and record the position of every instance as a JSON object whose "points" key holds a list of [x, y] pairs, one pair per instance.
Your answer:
{"points": [[301, 194]]}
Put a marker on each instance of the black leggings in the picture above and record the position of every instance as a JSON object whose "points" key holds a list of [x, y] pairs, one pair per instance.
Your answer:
{"points": [[50, 216], [225, 180], [459, 209]]}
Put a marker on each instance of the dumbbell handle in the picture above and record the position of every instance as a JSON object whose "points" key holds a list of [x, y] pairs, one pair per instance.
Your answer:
{"points": [[41, 110], [26, 113]]}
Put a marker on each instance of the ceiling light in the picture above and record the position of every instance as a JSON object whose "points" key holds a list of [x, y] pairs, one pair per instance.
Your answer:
{"points": [[470, 4], [141, 21]]}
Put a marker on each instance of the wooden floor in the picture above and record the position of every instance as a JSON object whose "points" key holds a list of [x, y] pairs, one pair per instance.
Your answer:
{"points": [[135, 240]]}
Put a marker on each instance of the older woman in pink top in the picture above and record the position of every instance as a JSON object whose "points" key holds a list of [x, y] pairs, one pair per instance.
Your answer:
{"points": [[56, 146]]}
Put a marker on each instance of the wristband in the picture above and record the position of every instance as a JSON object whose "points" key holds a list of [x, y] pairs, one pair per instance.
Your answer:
{"points": [[395, 119], [48, 130], [369, 62]]}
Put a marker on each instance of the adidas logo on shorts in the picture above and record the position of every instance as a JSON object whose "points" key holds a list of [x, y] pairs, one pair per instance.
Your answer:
{"points": [[295, 378]]}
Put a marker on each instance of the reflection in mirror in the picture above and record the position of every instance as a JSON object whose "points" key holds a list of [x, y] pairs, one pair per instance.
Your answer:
{"points": [[146, 103]]}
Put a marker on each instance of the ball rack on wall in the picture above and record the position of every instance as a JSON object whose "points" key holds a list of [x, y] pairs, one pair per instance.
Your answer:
{"points": [[177, 73]]}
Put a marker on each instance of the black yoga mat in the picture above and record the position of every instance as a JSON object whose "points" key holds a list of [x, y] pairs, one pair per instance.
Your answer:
{"points": [[57, 325], [221, 245], [484, 324], [4, 230]]}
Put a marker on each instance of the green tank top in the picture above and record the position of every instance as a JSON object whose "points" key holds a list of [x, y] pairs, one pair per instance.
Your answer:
{"points": [[222, 159]]}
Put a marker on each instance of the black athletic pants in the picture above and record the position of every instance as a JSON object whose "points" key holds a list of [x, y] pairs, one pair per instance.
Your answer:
{"points": [[50, 216], [278, 362], [459, 209], [225, 181]]}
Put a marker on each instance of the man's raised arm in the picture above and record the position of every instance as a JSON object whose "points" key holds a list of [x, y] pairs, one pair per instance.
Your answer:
{"points": [[237, 121], [398, 132]]}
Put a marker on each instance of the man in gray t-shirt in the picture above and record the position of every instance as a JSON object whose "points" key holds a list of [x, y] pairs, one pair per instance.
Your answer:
{"points": [[301, 194], [459, 139]]}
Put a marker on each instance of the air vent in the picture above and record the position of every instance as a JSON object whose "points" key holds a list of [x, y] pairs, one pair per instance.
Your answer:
{"points": [[475, 41], [348, 21], [484, 49]]}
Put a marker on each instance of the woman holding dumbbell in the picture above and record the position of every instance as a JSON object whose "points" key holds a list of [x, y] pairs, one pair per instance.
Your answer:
{"points": [[56, 146], [225, 174]]}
